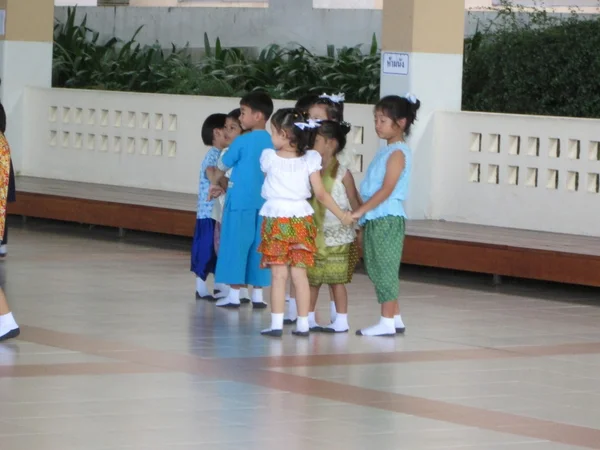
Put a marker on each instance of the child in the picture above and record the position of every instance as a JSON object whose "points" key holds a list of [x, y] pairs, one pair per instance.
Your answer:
{"points": [[8, 327], [318, 107], [204, 257], [328, 107], [238, 264], [337, 253], [384, 190], [288, 231], [233, 129]]}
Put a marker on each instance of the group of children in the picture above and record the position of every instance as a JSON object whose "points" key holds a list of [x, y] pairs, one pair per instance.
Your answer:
{"points": [[285, 205]]}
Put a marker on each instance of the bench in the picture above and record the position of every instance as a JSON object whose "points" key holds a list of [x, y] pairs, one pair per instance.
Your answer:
{"points": [[448, 245]]}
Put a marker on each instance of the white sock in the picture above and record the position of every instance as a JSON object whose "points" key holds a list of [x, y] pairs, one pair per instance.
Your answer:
{"points": [[292, 312], [383, 328], [201, 288], [302, 325], [223, 291], [276, 322], [7, 323], [221, 287], [332, 310], [398, 321], [244, 293], [312, 321], [257, 295], [340, 324], [232, 298]]}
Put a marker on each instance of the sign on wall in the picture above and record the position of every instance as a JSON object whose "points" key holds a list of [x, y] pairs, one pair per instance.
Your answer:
{"points": [[394, 63]]}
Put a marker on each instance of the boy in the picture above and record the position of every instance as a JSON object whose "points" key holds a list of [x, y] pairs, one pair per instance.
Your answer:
{"points": [[204, 257], [239, 261]]}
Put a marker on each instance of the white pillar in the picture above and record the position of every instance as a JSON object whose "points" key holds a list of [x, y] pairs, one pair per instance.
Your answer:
{"points": [[422, 53], [26, 35]]}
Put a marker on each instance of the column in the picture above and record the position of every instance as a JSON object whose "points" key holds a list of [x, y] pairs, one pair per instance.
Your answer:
{"points": [[422, 53], [26, 35]]}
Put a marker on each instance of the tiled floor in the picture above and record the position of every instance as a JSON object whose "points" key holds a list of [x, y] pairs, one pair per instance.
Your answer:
{"points": [[117, 354]]}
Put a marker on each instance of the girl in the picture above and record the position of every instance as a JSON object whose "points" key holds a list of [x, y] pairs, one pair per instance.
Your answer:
{"points": [[317, 107], [384, 190], [288, 230], [8, 327], [337, 253]]}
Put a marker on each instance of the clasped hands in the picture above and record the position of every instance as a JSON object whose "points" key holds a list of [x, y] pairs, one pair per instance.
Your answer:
{"points": [[215, 191]]}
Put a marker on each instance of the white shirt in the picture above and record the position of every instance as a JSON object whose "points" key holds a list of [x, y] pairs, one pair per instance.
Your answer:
{"points": [[287, 183]]}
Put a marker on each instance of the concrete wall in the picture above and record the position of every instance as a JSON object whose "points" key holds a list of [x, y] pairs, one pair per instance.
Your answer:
{"points": [[284, 22]]}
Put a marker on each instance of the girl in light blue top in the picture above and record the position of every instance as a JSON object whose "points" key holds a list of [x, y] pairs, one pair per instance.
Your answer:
{"points": [[382, 214]]}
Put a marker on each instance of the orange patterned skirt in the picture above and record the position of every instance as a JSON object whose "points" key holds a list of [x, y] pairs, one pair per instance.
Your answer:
{"points": [[288, 241]]}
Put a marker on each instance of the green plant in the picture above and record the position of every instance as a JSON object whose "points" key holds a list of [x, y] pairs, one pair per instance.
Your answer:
{"points": [[534, 64], [82, 61]]}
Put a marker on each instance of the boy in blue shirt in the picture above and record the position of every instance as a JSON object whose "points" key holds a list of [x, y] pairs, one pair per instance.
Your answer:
{"points": [[204, 257], [239, 261]]}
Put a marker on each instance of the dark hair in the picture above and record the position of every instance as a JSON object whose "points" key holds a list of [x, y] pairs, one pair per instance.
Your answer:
{"points": [[305, 102], [212, 123], [285, 119], [2, 119], [334, 110], [235, 114], [331, 129], [398, 108], [258, 101]]}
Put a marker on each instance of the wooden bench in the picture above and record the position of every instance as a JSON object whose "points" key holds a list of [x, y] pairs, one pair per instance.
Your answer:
{"points": [[472, 248]]}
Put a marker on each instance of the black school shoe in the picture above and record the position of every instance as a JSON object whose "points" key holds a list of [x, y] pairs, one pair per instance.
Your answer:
{"points": [[272, 333], [210, 298], [11, 334]]}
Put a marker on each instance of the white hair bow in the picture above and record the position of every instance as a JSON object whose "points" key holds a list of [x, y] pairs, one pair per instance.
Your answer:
{"points": [[310, 123], [335, 98], [411, 98]]}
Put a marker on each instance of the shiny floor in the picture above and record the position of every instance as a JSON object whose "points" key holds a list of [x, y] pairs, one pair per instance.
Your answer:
{"points": [[116, 353]]}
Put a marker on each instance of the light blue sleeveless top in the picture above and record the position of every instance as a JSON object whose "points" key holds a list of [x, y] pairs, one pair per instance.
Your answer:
{"points": [[373, 181]]}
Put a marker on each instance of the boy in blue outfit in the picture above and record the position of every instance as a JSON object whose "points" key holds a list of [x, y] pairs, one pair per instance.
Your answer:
{"points": [[239, 261], [204, 257]]}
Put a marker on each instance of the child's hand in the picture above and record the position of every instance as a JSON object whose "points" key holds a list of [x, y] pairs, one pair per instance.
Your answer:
{"points": [[347, 220], [215, 192], [356, 215]]}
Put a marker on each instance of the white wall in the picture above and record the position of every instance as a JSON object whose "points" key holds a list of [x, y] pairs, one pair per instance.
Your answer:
{"points": [[537, 173], [138, 140]]}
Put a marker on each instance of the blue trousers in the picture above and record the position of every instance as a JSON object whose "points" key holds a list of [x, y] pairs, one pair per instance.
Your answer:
{"points": [[239, 260], [204, 257]]}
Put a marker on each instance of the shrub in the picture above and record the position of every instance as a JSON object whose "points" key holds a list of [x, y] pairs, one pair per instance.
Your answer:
{"points": [[534, 64]]}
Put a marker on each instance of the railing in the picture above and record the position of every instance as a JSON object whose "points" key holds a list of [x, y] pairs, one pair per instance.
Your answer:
{"points": [[538, 173], [138, 140]]}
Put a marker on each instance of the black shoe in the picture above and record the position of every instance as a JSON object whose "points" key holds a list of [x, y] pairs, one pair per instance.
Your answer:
{"points": [[359, 333], [11, 334], [272, 333], [317, 329], [244, 301], [259, 305], [332, 331], [400, 330], [289, 321], [206, 297], [230, 306], [301, 333]]}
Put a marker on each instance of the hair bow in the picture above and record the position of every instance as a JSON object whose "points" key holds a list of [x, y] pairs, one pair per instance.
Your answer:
{"points": [[411, 98], [335, 98], [310, 123]]}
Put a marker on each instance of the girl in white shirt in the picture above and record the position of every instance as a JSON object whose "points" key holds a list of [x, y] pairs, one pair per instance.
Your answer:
{"points": [[288, 229]]}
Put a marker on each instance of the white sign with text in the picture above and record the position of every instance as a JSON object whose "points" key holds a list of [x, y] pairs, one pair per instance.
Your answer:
{"points": [[394, 63]]}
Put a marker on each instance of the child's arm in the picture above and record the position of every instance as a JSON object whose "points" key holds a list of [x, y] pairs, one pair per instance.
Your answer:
{"points": [[227, 161], [211, 174], [351, 191], [323, 196], [393, 170]]}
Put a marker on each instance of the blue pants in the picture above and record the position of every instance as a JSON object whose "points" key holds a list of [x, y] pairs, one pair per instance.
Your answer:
{"points": [[204, 257], [239, 260]]}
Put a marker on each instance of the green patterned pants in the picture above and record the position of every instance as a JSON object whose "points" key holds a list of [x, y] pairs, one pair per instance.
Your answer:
{"points": [[383, 243]]}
